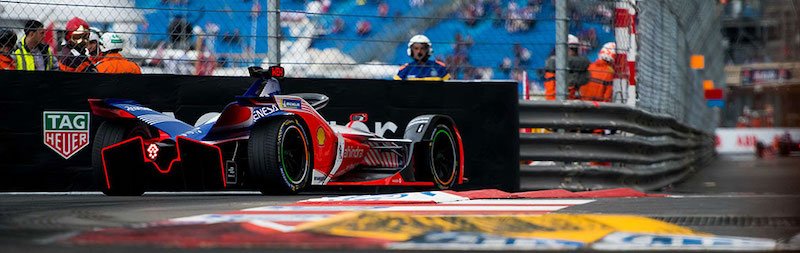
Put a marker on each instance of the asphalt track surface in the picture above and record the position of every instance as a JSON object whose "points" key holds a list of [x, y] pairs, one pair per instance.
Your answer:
{"points": [[733, 196]]}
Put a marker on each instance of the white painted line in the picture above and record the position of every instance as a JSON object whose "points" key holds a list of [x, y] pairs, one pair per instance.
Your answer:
{"points": [[432, 196], [148, 193], [403, 208], [521, 202], [220, 218], [311, 208], [470, 208], [51, 193], [273, 225], [735, 195]]}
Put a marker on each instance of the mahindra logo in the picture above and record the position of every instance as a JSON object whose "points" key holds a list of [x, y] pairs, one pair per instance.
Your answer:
{"points": [[152, 151]]}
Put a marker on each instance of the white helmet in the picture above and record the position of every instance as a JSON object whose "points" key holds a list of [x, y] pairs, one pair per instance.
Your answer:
{"points": [[94, 34], [608, 52], [111, 41], [573, 41], [419, 39]]}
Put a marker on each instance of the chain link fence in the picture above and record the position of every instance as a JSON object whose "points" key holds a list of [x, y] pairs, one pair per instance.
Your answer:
{"points": [[669, 32], [476, 39], [367, 39]]}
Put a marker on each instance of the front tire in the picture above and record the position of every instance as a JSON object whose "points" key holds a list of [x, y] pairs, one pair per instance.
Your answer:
{"points": [[443, 157], [280, 156], [109, 133]]}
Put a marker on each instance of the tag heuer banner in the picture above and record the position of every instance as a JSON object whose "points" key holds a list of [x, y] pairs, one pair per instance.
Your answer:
{"points": [[66, 133]]}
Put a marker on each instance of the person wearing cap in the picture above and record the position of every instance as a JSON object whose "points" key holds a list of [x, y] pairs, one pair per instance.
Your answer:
{"points": [[577, 75], [601, 76], [31, 54], [110, 60], [420, 50], [72, 56], [7, 41]]}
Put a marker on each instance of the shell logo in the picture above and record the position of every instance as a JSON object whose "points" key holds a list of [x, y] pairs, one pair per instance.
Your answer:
{"points": [[320, 136]]}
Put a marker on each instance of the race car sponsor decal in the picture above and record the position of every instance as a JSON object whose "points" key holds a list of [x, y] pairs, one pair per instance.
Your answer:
{"points": [[339, 158], [261, 112], [66, 133], [291, 103], [644, 241], [163, 122], [134, 108], [479, 241], [320, 136], [353, 152], [421, 121], [152, 151], [153, 119], [193, 131], [317, 177]]}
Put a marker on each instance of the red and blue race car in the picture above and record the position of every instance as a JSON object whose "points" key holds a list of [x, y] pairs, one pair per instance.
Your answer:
{"points": [[278, 144]]}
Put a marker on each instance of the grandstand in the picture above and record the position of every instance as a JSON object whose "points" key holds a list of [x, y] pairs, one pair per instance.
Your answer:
{"points": [[322, 40]]}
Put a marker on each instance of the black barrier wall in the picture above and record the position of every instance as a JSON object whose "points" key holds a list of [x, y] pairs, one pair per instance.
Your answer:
{"points": [[486, 114]]}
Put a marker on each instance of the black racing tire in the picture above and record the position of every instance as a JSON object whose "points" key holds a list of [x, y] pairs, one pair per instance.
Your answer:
{"points": [[443, 157], [111, 132], [784, 148], [280, 156]]}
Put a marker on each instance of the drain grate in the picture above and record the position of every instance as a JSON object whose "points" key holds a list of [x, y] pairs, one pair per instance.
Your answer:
{"points": [[738, 221]]}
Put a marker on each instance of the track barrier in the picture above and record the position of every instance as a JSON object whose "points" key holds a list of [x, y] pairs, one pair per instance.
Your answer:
{"points": [[647, 151]]}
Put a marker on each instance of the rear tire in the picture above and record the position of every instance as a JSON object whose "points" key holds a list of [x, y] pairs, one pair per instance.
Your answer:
{"points": [[280, 156], [109, 133], [443, 157], [784, 148]]}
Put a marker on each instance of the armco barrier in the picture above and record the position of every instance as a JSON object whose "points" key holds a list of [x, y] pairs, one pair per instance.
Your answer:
{"points": [[486, 114], [648, 151]]}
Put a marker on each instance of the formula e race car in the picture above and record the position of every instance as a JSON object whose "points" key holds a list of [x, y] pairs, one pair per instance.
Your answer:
{"points": [[278, 144], [782, 145]]}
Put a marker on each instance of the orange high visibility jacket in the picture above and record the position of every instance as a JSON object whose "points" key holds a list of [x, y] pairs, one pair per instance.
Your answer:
{"points": [[575, 76], [550, 87], [600, 85], [114, 63], [74, 60], [7, 63]]}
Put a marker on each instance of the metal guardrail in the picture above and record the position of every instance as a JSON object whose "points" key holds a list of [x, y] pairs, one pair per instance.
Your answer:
{"points": [[648, 151]]}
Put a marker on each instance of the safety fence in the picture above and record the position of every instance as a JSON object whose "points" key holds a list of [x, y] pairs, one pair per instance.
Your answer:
{"points": [[504, 39], [669, 33], [648, 151]]}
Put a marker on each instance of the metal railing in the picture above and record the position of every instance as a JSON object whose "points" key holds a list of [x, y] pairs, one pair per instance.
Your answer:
{"points": [[647, 151]]}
